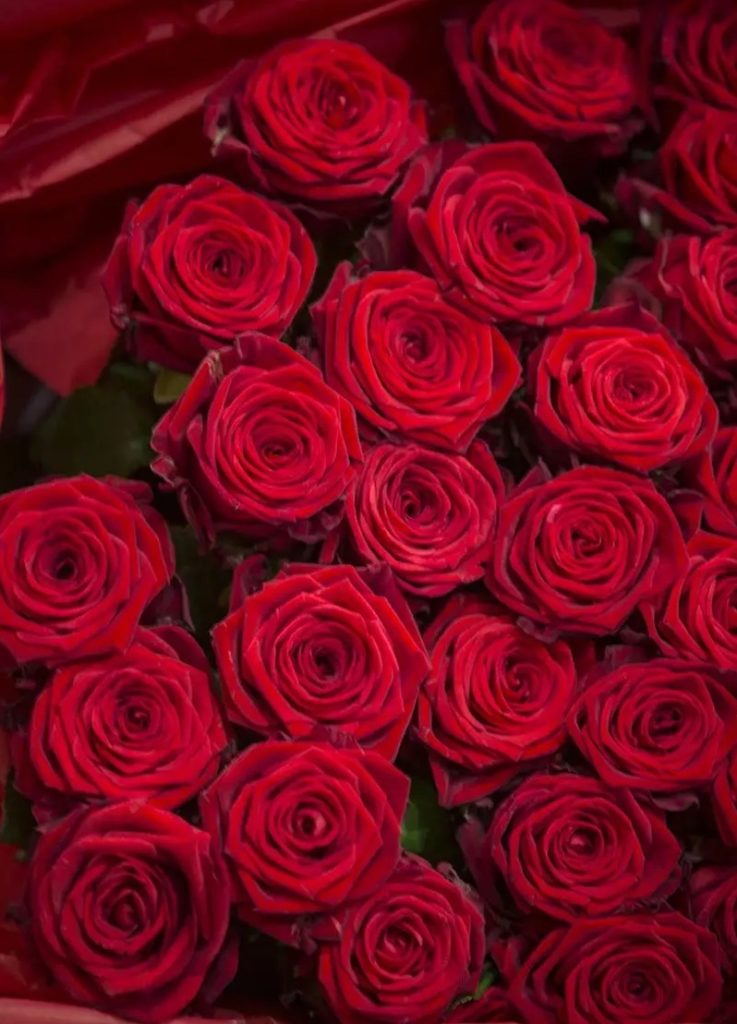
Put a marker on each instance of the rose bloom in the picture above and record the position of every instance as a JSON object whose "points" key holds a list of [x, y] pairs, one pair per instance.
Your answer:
{"points": [[696, 189], [306, 830], [697, 618], [409, 363], [320, 121], [714, 477], [492, 1006], [614, 386], [582, 550], [660, 968], [195, 266], [406, 952], [724, 799], [332, 646], [544, 71], [140, 724], [568, 846], [495, 700], [713, 897], [429, 515], [129, 909], [500, 234], [258, 444], [661, 726], [82, 558], [690, 285], [695, 58]]}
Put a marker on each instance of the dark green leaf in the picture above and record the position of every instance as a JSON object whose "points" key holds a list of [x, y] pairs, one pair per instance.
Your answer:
{"points": [[169, 385], [205, 579], [18, 823], [427, 828]]}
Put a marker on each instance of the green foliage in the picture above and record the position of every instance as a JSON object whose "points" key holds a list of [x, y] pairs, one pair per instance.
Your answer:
{"points": [[17, 819], [205, 578], [169, 385], [100, 430], [427, 828]]}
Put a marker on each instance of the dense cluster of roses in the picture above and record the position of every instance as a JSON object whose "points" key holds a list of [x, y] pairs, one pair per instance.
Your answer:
{"points": [[483, 530]]}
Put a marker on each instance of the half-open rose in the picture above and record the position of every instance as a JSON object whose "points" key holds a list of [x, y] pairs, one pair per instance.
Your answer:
{"points": [[258, 444], [129, 909], [429, 515], [333, 646], [713, 895], [495, 700], [582, 550], [408, 362], [81, 560], [140, 724], [197, 265], [306, 829], [319, 121]]}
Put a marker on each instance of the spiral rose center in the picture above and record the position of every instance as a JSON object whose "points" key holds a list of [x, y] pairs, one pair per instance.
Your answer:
{"points": [[339, 103], [666, 722]]}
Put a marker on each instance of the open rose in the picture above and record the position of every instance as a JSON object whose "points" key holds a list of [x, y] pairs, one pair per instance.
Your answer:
{"points": [[129, 909], [495, 700], [582, 550], [697, 618], [713, 894], [548, 72], [614, 386], [695, 52], [689, 283], [258, 444], [406, 952], [306, 830], [568, 846], [140, 724], [714, 478], [320, 121], [660, 968], [430, 516], [409, 363], [695, 186], [333, 646], [81, 560], [661, 726], [539, 270], [197, 265], [724, 799]]}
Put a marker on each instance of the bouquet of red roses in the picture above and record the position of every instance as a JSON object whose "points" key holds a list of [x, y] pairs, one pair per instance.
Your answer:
{"points": [[368, 605]]}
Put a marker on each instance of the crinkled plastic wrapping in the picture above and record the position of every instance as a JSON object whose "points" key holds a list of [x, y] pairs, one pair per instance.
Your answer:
{"points": [[99, 99]]}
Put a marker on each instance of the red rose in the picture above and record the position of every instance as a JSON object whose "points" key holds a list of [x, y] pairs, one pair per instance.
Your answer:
{"points": [[696, 53], [258, 444], [547, 72], [714, 476], [430, 516], [493, 1006], [568, 846], [197, 265], [495, 701], [501, 235], [129, 908], [696, 175], [582, 550], [333, 646], [81, 560], [614, 386], [713, 893], [660, 968], [406, 952], [662, 726], [724, 799], [141, 724], [696, 620], [690, 282], [306, 829], [410, 364], [318, 120]]}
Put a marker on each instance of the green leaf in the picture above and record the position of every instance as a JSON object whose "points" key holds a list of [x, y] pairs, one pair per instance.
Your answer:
{"points": [[18, 823], [169, 385], [205, 579], [96, 430], [427, 828]]}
